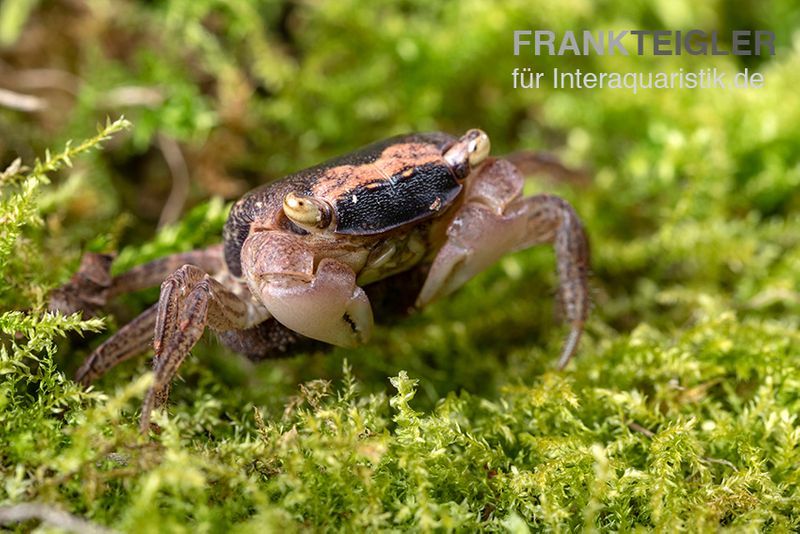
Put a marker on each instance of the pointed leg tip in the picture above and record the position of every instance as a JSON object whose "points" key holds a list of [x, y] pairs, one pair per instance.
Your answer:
{"points": [[570, 347], [83, 376], [144, 427], [144, 420], [147, 410]]}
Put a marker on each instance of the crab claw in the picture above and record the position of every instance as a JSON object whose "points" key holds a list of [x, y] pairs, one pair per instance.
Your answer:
{"points": [[495, 219], [323, 304]]}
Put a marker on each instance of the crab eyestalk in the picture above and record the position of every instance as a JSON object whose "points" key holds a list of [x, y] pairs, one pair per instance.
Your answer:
{"points": [[307, 212], [468, 152]]}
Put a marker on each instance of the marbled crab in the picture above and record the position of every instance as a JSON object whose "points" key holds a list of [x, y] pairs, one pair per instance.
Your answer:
{"points": [[391, 226]]}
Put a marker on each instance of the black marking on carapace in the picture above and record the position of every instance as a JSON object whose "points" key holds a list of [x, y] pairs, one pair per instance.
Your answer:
{"points": [[383, 206], [267, 200], [236, 230]]}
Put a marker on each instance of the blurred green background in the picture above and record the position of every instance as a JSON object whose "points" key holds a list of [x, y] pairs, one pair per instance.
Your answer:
{"points": [[691, 203]]}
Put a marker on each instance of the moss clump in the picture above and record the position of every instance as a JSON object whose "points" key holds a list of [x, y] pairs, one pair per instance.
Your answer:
{"points": [[679, 412]]}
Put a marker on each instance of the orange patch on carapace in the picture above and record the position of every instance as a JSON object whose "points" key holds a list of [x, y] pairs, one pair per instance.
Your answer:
{"points": [[340, 181]]}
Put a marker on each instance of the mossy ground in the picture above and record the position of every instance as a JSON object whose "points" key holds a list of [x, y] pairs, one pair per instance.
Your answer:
{"points": [[680, 411]]}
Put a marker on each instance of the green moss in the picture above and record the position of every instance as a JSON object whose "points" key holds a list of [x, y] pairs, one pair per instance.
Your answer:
{"points": [[678, 413]]}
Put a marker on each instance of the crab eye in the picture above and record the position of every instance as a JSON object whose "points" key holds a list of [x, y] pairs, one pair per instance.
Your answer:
{"points": [[306, 211], [478, 148], [468, 152]]}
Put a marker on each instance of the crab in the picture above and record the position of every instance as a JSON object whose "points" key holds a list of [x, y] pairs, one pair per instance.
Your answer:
{"points": [[388, 228]]}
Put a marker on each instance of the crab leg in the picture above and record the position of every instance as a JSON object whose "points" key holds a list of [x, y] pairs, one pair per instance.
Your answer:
{"points": [[132, 339], [153, 273], [190, 299], [548, 165], [92, 286], [496, 219]]}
